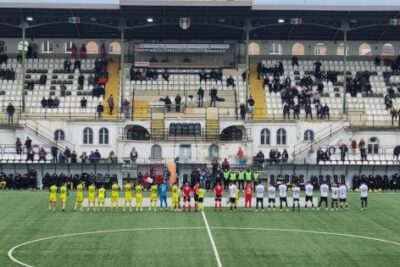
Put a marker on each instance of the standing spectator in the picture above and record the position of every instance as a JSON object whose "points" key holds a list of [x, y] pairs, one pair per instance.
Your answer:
{"points": [[43, 79], [225, 165], [103, 53], [308, 111], [126, 107], [83, 102], [353, 146], [77, 65], [112, 158], [74, 157], [81, 80], [203, 76], [42, 154], [343, 151], [250, 105], [230, 82], [83, 157], [363, 150], [325, 112], [67, 65], [178, 103], [67, 154], [30, 155], [28, 144], [63, 89], [110, 102], [168, 103], [54, 153], [74, 51], [242, 110], [240, 155], [82, 52], [295, 61], [18, 146], [10, 113], [200, 96], [393, 113], [133, 155], [165, 76], [286, 111], [285, 156], [99, 110], [213, 96], [90, 79]]}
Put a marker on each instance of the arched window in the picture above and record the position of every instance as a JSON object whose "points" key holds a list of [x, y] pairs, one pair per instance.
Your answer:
{"points": [[87, 136], [114, 48], [340, 49], [92, 48], [254, 49], [21, 46], [281, 137], [103, 136], [47, 47], [265, 137], [59, 135], [298, 49], [309, 135], [364, 50], [275, 49], [320, 49], [67, 47], [232, 133], [3, 47], [156, 152], [213, 152], [387, 50], [373, 145]]}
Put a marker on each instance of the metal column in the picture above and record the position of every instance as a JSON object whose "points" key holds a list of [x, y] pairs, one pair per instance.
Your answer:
{"points": [[247, 59], [23, 64], [122, 69], [345, 29]]}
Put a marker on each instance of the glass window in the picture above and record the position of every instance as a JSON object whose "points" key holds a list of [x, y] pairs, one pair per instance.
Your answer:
{"points": [[298, 49], [364, 50], [92, 48], [88, 135], [213, 151], [265, 137], [276, 49], [254, 49], [67, 47], [309, 136], [281, 137], [59, 135], [47, 47], [340, 49], [387, 50], [156, 152], [21, 46], [373, 145], [320, 49], [103, 136], [114, 48]]}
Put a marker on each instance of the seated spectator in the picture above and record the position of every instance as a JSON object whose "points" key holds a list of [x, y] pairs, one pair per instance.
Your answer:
{"points": [[90, 79], [325, 112], [165, 76], [83, 102], [56, 102], [81, 80], [230, 82], [77, 65], [31, 85], [63, 89], [43, 102], [67, 65], [43, 79], [50, 102]]}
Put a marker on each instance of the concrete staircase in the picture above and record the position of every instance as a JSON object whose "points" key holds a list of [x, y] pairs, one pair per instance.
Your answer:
{"points": [[258, 94], [112, 88]]}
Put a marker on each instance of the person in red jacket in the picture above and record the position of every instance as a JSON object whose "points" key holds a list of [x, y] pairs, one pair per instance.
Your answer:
{"points": [[186, 190], [249, 194], [196, 195], [218, 196]]}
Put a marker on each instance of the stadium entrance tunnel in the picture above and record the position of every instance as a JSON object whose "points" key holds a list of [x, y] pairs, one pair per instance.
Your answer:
{"points": [[136, 132], [233, 133]]}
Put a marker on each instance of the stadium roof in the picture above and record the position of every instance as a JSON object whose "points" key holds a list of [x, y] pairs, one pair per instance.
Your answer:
{"points": [[207, 22]]}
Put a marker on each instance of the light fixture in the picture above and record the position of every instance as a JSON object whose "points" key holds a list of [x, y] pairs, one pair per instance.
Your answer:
{"points": [[281, 20], [29, 18], [150, 20]]}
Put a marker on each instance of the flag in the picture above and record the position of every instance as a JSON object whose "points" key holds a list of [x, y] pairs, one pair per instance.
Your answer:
{"points": [[296, 21], [395, 22], [184, 23], [74, 20]]}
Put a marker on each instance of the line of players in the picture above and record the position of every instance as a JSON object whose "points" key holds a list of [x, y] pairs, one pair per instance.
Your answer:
{"points": [[159, 192]]}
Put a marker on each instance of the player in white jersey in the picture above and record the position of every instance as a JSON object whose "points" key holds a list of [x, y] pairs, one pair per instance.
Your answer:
{"points": [[363, 195], [271, 196], [343, 196], [283, 195], [324, 195], [296, 196], [260, 196], [232, 195], [309, 194], [335, 197]]}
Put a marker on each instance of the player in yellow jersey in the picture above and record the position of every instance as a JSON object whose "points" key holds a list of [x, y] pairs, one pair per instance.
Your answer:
{"points": [[79, 197], [114, 196], [53, 197], [153, 196], [139, 197], [237, 197], [63, 195], [3, 183], [128, 196], [202, 194], [91, 197], [101, 195], [175, 197]]}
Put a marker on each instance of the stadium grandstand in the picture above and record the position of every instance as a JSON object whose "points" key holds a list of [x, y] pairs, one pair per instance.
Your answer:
{"points": [[117, 91]]}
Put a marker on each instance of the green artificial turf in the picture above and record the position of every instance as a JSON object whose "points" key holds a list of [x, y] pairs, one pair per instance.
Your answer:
{"points": [[24, 217]]}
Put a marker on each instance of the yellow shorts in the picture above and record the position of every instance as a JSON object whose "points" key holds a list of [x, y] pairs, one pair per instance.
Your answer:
{"points": [[63, 198], [114, 198], [100, 199], [139, 199], [153, 197], [79, 197], [128, 197], [91, 198], [53, 198]]}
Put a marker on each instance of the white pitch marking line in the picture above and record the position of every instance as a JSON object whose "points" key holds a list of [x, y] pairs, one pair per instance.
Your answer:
{"points": [[11, 251], [219, 264]]}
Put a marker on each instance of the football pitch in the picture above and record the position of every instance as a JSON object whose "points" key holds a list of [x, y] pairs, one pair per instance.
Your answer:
{"points": [[306, 238]]}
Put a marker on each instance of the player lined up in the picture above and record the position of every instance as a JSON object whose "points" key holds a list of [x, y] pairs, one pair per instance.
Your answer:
{"points": [[159, 192]]}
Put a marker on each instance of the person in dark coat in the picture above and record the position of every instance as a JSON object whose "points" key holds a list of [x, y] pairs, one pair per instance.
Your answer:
{"points": [[100, 110]]}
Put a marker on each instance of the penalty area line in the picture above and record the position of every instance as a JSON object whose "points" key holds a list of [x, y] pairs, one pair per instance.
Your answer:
{"points": [[219, 264]]}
